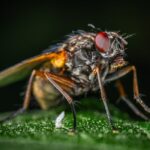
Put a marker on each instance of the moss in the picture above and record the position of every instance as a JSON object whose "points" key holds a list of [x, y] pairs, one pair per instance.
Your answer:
{"points": [[36, 130]]}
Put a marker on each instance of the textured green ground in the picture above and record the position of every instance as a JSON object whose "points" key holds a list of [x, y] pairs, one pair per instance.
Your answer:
{"points": [[36, 130]]}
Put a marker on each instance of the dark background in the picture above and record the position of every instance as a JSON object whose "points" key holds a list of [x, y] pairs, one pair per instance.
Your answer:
{"points": [[28, 28]]}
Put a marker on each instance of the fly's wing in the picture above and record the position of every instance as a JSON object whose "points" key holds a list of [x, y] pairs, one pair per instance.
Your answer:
{"points": [[22, 69]]}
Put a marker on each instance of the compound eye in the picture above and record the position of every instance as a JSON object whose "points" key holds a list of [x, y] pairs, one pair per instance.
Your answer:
{"points": [[102, 42]]}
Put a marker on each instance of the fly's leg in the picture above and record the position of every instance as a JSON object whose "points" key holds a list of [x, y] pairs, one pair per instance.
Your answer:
{"points": [[122, 73], [124, 97], [52, 78], [104, 98], [67, 97], [26, 100]]}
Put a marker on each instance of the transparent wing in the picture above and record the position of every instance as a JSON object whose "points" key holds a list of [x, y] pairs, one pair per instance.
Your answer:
{"points": [[22, 69]]}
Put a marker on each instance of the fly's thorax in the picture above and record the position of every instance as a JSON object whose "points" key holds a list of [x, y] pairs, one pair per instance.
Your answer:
{"points": [[80, 51], [80, 41], [81, 63], [82, 58]]}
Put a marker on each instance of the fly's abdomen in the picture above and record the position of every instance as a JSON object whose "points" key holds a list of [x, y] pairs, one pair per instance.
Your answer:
{"points": [[45, 93]]}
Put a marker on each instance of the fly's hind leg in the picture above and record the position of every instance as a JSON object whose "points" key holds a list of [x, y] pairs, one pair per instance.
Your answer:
{"points": [[55, 81], [124, 97], [25, 102]]}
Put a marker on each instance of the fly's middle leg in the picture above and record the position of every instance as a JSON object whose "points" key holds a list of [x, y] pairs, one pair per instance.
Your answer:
{"points": [[66, 95]]}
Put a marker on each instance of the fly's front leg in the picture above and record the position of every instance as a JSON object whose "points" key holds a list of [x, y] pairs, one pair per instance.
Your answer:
{"points": [[104, 98], [124, 97], [122, 73]]}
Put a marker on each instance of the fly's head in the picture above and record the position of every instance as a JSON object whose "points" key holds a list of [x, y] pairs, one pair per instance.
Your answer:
{"points": [[111, 46]]}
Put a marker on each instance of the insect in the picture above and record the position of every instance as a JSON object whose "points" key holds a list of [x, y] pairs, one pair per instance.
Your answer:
{"points": [[85, 61]]}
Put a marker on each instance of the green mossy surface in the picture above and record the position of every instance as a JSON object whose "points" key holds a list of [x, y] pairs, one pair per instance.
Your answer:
{"points": [[36, 130]]}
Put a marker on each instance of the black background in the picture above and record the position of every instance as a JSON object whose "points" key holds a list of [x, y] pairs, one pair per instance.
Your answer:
{"points": [[27, 28]]}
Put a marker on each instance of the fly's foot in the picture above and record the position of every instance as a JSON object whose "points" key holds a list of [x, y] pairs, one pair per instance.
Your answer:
{"points": [[12, 115], [72, 131], [115, 131], [142, 104]]}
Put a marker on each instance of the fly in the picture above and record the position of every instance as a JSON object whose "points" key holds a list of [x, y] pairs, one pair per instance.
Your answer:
{"points": [[85, 61]]}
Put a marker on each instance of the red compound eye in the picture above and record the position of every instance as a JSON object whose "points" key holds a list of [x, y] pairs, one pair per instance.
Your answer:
{"points": [[102, 42]]}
